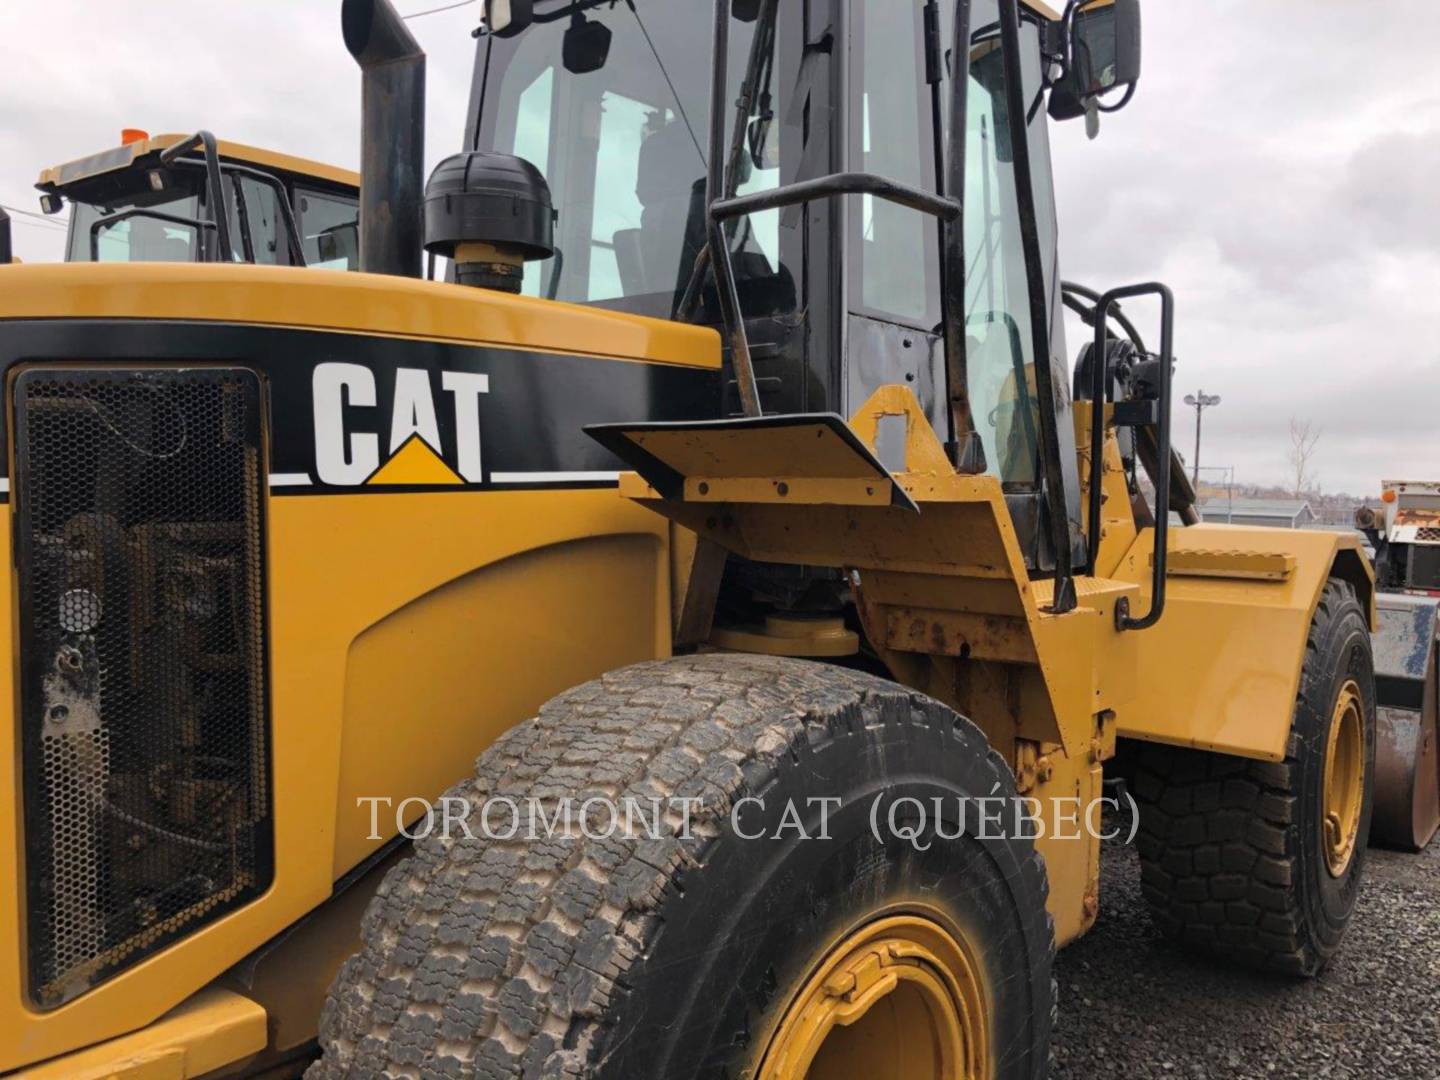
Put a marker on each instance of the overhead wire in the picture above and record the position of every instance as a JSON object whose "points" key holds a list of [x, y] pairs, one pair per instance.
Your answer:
{"points": [[437, 10], [41, 218], [679, 105]]}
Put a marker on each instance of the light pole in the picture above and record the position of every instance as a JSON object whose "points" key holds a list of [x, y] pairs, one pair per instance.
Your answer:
{"points": [[1199, 402]]}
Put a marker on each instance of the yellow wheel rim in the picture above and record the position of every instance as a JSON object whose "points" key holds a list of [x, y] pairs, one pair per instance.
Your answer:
{"points": [[1344, 779], [899, 999]]}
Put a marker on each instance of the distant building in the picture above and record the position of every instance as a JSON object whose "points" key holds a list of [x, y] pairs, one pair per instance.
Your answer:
{"points": [[1273, 513]]}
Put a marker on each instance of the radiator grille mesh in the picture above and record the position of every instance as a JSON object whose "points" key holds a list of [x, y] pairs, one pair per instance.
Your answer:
{"points": [[138, 511]]}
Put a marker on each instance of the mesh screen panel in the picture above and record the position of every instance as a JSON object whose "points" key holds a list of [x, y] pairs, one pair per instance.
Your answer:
{"points": [[139, 532], [1424, 569]]}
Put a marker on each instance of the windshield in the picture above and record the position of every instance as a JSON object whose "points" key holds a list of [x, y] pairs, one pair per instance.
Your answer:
{"points": [[138, 238], [143, 225], [620, 133]]}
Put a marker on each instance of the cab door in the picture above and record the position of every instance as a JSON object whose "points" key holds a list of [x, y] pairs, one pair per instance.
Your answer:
{"points": [[900, 66]]}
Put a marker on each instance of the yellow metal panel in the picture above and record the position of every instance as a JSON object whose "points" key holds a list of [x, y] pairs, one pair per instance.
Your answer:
{"points": [[1068, 842], [1090, 666], [1048, 11], [753, 451], [344, 300], [780, 635], [269, 160], [272, 160], [438, 678], [1117, 517], [923, 455], [1223, 664], [789, 489], [213, 1029], [339, 565], [1240, 563]]}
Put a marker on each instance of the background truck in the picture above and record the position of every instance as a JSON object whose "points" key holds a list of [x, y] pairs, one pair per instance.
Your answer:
{"points": [[292, 548], [1405, 537]]}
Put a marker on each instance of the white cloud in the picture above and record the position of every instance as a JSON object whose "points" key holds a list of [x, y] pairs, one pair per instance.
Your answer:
{"points": [[1277, 168]]}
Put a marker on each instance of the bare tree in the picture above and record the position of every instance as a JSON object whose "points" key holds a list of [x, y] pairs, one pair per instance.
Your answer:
{"points": [[1303, 437]]}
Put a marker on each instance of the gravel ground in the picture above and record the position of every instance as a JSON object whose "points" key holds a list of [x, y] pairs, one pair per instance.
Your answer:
{"points": [[1134, 1006]]}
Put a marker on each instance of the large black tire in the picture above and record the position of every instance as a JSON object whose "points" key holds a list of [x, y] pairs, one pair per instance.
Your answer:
{"points": [[1231, 852], [670, 959]]}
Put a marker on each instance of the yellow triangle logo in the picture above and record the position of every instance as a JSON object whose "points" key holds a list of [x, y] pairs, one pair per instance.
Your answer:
{"points": [[415, 463]]}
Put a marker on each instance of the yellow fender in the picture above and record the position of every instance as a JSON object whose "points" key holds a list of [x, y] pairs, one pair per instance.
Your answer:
{"points": [[1222, 667]]}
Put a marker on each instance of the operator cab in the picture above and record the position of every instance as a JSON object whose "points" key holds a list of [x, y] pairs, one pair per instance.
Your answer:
{"points": [[129, 204], [836, 296]]}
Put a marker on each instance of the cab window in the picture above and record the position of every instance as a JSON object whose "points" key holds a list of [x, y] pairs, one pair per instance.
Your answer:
{"points": [[896, 274], [329, 230], [621, 146], [138, 238]]}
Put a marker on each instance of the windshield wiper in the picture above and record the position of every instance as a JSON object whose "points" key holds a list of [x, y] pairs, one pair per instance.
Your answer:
{"points": [[760, 63]]}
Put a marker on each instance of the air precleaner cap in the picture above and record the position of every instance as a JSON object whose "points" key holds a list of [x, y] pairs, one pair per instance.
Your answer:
{"points": [[489, 214]]}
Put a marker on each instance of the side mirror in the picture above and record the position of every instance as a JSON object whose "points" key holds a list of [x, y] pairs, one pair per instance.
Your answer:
{"points": [[506, 18], [586, 46], [1104, 56], [51, 204]]}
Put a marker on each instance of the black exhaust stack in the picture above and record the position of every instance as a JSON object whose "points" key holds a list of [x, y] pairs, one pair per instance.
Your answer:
{"points": [[6, 253], [392, 136]]}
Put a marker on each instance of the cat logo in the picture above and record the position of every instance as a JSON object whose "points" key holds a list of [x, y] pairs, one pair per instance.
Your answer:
{"points": [[348, 457]]}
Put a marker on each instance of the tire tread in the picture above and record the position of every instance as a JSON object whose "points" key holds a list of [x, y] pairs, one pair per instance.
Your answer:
{"points": [[499, 960], [1219, 837]]}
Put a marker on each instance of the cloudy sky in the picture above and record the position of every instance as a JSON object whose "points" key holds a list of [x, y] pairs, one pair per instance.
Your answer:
{"points": [[1279, 168]]}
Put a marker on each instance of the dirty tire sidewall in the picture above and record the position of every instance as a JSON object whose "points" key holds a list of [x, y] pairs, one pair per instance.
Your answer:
{"points": [[1343, 654], [755, 918]]}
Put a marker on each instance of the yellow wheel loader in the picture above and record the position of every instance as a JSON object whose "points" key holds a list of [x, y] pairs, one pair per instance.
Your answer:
{"points": [[149, 200], [350, 610]]}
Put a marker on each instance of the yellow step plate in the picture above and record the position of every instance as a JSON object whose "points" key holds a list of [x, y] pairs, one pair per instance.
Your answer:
{"points": [[213, 1029]]}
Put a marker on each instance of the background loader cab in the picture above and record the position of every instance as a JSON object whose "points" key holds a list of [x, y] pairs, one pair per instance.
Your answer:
{"points": [[155, 200]]}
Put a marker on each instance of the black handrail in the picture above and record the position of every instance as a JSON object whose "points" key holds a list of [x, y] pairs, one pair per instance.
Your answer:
{"points": [[1099, 392], [846, 183], [219, 208], [111, 220], [282, 198]]}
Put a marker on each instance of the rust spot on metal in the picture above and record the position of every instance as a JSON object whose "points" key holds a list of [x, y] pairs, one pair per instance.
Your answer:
{"points": [[1413, 516]]}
